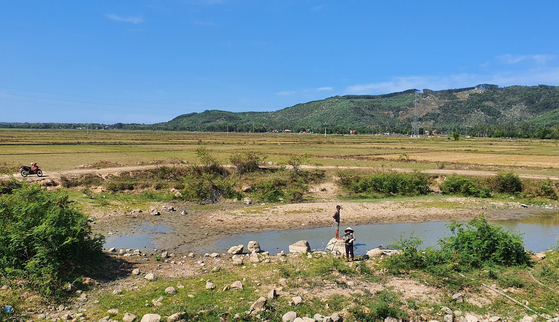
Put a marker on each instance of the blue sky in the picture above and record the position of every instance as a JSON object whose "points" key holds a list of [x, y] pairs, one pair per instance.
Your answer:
{"points": [[150, 61]]}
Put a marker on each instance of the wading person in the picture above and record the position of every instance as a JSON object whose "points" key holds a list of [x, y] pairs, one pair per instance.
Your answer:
{"points": [[337, 221], [348, 239]]}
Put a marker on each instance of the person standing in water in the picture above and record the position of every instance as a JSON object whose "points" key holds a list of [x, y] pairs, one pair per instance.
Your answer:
{"points": [[337, 221]]}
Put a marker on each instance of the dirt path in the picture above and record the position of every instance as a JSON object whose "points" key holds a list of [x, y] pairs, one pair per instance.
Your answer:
{"points": [[106, 171]]}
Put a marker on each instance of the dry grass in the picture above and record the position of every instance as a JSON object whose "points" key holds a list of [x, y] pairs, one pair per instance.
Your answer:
{"points": [[57, 150]]}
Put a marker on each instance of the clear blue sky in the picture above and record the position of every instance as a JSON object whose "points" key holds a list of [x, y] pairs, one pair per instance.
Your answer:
{"points": [[150, 61]]}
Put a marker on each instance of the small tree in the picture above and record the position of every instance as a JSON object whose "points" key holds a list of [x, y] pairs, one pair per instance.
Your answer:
{"points": [[456, 136]]}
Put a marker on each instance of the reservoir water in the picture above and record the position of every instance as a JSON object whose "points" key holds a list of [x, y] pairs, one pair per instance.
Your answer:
{"points": [[539, 233]]}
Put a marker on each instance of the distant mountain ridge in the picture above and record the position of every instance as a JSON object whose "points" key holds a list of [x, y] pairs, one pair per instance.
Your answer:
{"points": [[480, 110], [483, 110]]}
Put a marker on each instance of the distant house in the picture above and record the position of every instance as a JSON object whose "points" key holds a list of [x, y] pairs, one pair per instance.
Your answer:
{"points": [[287, 131], [352, 131]]}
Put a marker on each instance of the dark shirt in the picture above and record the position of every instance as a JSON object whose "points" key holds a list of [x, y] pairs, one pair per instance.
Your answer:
{"points": [[337, 216]]}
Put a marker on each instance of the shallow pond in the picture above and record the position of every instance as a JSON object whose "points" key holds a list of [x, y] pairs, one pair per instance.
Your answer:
{"points": [[540, 233], [143, 238]]}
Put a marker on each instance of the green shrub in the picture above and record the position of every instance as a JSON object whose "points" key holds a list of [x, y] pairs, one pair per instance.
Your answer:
{"points": [[381, 306], [458, 184], [247, 161], [508, 182], [43, 239], [390, 183], [271, 190], [479, 243]]}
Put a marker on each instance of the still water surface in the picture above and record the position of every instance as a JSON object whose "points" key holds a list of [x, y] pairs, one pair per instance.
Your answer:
{"points": [[540, 233]]}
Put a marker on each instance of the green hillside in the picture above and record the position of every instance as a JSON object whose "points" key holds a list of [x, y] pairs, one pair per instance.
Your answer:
{"points": [[484, 110]]}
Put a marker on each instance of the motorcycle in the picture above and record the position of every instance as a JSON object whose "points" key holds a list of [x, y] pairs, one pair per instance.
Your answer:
{"points": [[25, 171]]}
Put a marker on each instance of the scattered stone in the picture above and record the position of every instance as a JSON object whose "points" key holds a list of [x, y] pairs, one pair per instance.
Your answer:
{"points": [[254, 258], [253, 246], [149, 277], [289, 317], [216, 269], [170, 290], [158, 301], [151, 318], [237, 285], [458, 297], [272, 294], [391, 319], [300, 247], [526, 318], [446, 310], [137, 252], [258, 306], [210, 285], [129, 317], [246, 187], [495, 319], [113, 311], [214, 255], [112, 250], [448, 318], [297, 300], [237, 260], [282, 281], [117, 291], [164, 255], [473, 318], [66, 317], [336, 317], [184, 213], [318, 317], [136, 271], [175, 317], [191, 255], [154, 212], [247, 201], [179, 285], [236, 250], [83, 297]]}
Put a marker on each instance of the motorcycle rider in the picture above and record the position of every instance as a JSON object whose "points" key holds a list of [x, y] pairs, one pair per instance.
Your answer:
{"points": [[34, 166]]}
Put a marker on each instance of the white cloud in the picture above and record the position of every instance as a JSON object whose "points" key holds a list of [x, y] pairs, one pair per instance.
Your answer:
{"points": [[515, 59], [134, 20], [539, 76], [325, 89]]}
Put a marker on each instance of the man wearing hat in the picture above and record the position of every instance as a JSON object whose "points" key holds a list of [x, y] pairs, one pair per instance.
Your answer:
{"points": [[348, 239]]}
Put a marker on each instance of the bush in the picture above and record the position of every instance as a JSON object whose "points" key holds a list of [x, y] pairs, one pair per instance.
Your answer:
{"points": [[389, 183], [479, 243], [43, 239], [508, 182], [457, 184], [247, 161]]}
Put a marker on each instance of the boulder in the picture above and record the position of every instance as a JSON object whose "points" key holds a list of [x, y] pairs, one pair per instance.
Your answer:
{"points": [[129, 317], [237, 285], [150, 276], [336, 318], [236, 250], [258, 306], [272, 294], [300, 247], [136, 271], [253, 246], [170, 290], [289, 317], [471, 318], [237, 260], [297, 300], [254, 258], [336, 246], [175, 317], [151, 318], [247, 201], [210, 285]]}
